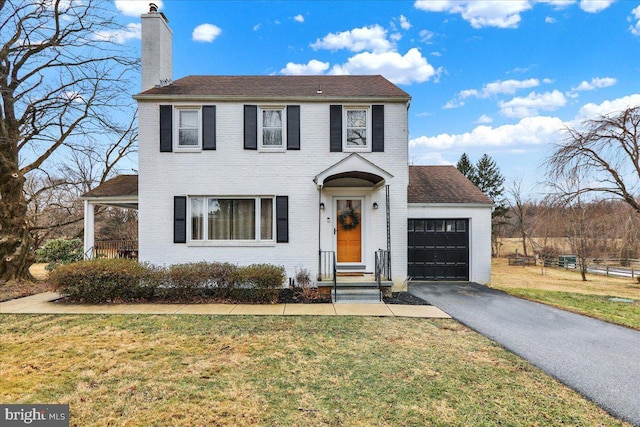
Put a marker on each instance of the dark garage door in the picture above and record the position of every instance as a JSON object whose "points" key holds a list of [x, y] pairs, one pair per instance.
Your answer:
{"points": [[438, 249]]}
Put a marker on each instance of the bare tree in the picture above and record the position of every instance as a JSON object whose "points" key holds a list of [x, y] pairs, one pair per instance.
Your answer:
{"points": [[604, 152], [63, 84], [519, 209]]}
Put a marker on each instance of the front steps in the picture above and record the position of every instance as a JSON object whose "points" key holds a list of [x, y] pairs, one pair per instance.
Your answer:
{"points": [[361, 289]]}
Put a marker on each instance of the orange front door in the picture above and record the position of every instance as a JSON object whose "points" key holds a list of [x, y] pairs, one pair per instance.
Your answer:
{"points": [[349, 230]]}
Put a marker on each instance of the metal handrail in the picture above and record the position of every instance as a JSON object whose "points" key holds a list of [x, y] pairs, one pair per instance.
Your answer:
{"points": [[327, 268]]}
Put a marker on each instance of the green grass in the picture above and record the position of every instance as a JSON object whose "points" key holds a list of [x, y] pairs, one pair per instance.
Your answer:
{"points": [[598, 306], [277, 371]]}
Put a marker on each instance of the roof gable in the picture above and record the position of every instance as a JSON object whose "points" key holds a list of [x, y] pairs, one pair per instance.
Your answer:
{"points": [[442, 184]]}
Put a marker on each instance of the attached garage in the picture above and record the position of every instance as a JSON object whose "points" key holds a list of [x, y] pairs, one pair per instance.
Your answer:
{"points": [[448, 227], [438, 249]]}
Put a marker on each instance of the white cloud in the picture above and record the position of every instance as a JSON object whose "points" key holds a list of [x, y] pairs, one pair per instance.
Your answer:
{"points": [[480, 13], [299, 18], [501, 14], [591, 110], [507, 87], [409, 68], [135, 7], [498, 87], [537, 130], [530, 131], [426, 36], [635, 29], [395, 37], [595, 83], [130, 32], [404, 22], [205, 33], [533, 103], [313, 67], [550, 20], [430, 158], [484, 119], [372, 38], [453, 104], [595, 6]]}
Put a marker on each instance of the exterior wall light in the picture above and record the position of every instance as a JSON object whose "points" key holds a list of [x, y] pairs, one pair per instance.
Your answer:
{"points": [[375, 205], [321, 206]]}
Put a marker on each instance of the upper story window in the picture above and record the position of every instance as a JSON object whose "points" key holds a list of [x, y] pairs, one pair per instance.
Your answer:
{"points": [[272, 128], [188, 129], [357, 130]]}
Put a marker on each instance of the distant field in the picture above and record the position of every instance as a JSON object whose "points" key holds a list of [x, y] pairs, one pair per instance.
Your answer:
{"points": [[510, 245], [553, 279]]}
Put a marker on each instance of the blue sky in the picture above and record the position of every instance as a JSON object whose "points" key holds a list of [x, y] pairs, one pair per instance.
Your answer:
{"points": [[498, 77]]}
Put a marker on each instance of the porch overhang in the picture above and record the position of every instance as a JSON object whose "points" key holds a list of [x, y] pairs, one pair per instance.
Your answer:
{"points": [[120, 192], [353, 171]]}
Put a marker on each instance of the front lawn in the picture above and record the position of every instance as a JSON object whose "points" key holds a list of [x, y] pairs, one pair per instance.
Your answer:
{"points": [[290, 371]]}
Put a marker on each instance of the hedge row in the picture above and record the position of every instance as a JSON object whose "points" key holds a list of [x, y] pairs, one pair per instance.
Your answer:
{"points": [[124, 280]]}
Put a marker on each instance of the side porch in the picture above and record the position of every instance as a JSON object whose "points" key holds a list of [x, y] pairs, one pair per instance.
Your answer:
{"points": [[118, 192]]}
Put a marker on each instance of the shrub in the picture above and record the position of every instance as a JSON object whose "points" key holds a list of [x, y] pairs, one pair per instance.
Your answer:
{"points": [[59, 251], [305, 285], [258, 283], [184, 281], [106, 280]]}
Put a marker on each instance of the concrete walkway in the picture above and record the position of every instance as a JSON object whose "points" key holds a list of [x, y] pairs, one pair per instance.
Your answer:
{"points": [[43, 304], [599, 360]]}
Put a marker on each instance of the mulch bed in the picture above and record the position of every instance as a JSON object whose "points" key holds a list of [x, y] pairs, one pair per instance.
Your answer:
{"points": [[287, 296], [292, 296]]}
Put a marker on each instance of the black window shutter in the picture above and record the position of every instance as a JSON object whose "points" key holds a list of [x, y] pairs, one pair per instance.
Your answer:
{"points": [[335, 128], [209, 127], [250, 127], [166, 128], [293, 127], [179, 219], [282, 219], [377, 135]]}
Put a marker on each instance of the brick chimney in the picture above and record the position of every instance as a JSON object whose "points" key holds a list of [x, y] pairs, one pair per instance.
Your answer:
{"points": [[156, 49]]}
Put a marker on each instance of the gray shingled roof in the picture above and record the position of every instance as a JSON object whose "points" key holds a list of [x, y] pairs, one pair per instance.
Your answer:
{"points": [[442, 184], [331, 87], [120, 186]]}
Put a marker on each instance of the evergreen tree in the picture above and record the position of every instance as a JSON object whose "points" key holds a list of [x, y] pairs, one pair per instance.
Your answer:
{"points": [[467, 168], [491, 182], [489, 179]]}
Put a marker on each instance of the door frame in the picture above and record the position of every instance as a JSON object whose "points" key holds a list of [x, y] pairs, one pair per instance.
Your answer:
{"points": [[363, 222]]}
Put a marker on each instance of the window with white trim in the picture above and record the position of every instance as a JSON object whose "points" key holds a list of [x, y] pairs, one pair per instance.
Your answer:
{"points": [[272, 125], [188, 132], [225, 219], [357, 131]]}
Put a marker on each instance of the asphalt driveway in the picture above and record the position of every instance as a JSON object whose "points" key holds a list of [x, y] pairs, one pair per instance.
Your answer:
{"points": [[599, 360]]}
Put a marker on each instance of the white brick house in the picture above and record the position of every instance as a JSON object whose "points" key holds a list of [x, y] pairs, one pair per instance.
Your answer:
{"points": [[299, 171]]}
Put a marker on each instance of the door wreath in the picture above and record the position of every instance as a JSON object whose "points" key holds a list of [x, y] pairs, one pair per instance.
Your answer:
{"points": [[349, 219]]}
